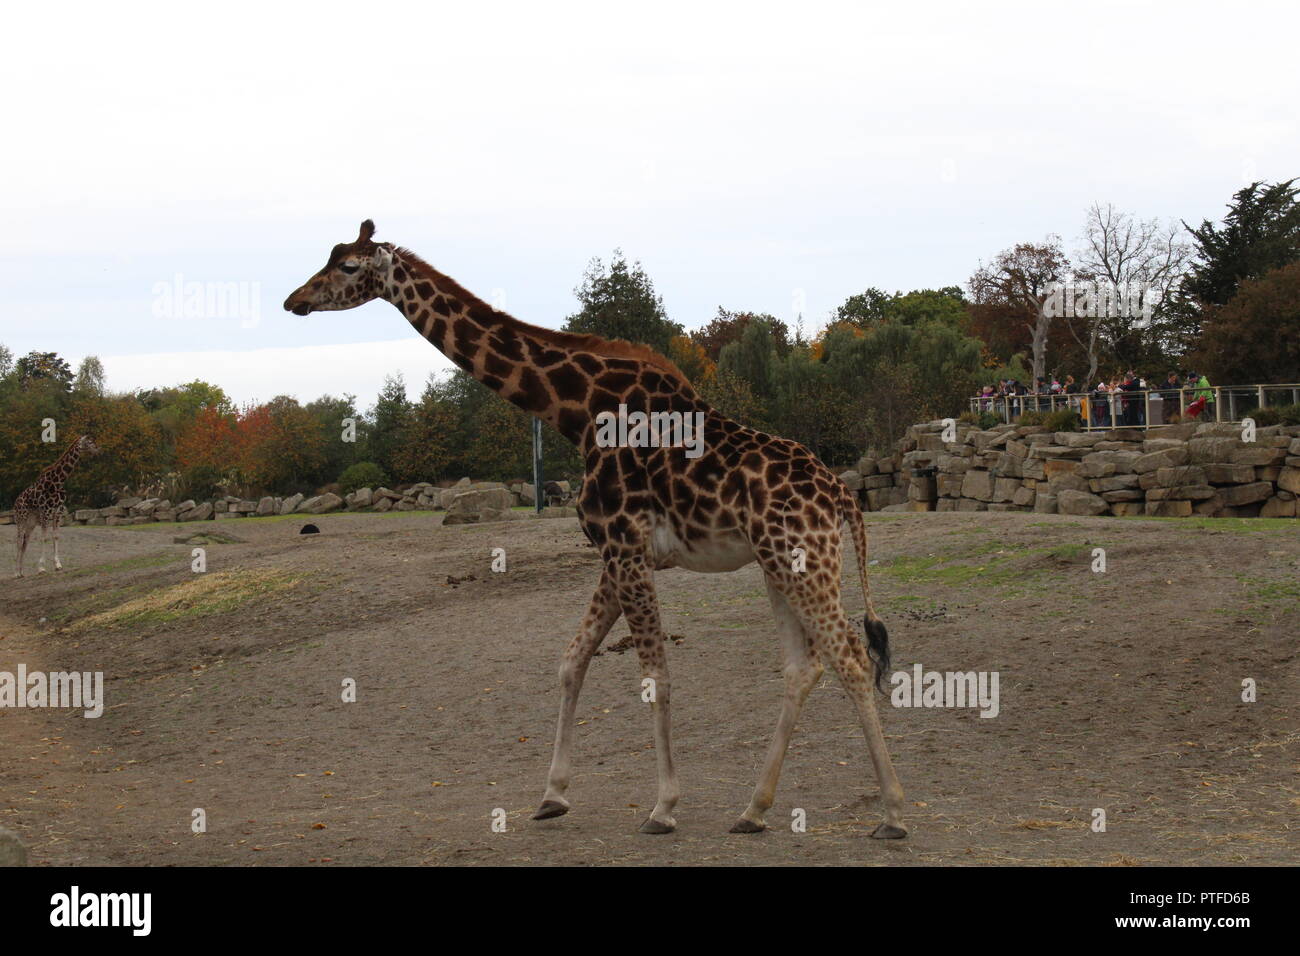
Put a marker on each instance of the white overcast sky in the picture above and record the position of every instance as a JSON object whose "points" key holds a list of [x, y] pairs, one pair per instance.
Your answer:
{"points": [[769, 157]]}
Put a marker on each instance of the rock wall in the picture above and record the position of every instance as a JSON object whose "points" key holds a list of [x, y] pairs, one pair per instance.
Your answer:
{"points": [[1173, 471], [475, 497]]}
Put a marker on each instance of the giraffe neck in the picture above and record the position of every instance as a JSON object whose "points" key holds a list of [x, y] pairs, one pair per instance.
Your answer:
{"points": [[553, 375], [58, 472]]}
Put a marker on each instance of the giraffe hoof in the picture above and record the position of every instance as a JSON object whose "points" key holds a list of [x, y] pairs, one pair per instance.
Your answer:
{"points": [[887, 831], [748, 826], [654, 826], [549, 809]]}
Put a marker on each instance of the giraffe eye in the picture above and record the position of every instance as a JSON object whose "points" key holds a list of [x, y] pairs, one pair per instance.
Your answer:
{"points": [[349, 267]]}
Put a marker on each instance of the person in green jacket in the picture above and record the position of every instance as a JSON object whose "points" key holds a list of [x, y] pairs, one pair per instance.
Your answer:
{"points": [[1203, 390]]}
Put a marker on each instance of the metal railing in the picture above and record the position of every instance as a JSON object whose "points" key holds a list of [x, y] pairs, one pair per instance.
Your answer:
{"points": [[1144, 408]]}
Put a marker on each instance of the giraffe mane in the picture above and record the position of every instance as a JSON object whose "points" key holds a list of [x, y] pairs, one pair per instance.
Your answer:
{"points": [[571, 341]]}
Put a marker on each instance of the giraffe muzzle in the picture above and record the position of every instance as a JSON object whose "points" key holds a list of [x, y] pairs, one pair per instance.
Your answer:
{"points": [[297, 308]]}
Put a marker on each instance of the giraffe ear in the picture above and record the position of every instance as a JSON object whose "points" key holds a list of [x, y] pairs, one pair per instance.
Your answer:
{"points": [[367, 230], [383, 257]]}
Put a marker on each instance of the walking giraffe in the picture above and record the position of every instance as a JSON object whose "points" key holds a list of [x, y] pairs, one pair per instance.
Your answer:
{"points": [[745, 497], [42, 504]]}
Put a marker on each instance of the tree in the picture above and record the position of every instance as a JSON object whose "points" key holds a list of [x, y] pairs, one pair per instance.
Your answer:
{"points": [[1261, 232], [391, 418], [427, 450], [1126, 254], [689, 356], [727, 327], [947, 305], [329, 413], [6, 361], [283, 446], [90, 377], [44, 365], [1255, 337], [1018, 282], [619, 302], [131, 451]]}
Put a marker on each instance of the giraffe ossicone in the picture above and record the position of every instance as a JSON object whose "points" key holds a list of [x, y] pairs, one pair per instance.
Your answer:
{"points": [[746, 496]]}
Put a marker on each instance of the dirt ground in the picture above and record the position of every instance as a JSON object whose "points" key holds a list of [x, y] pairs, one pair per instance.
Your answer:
{"points": [[1118, 690]]}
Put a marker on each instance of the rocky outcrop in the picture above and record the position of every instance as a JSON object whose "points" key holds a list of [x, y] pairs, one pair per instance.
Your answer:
{"points": [[1174, 471]]}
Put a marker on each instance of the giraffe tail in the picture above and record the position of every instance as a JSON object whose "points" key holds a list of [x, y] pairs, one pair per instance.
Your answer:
{"points": [[876, 634]]}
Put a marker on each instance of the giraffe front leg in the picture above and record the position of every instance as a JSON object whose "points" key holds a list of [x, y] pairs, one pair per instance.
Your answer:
{"points": [[40, 563], [58, 566], [603, 612], [636, 593]]}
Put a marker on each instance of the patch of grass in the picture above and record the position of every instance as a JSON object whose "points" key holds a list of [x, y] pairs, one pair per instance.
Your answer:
{"points": [[213, 593], [155, 560], [998, 565], [1225, 524]]}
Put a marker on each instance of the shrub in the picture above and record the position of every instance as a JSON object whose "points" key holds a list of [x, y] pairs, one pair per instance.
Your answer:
{"points": [[364, 474], [1062, 420], [1031, 417], [1265, 416], [199, 482], [1276, 415], [981, 420]]}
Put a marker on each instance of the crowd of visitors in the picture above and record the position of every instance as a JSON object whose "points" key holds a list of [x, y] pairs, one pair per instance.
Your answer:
{"points": [[1115, 402]]}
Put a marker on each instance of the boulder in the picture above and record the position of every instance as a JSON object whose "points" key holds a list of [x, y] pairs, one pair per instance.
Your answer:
{"points": [[290, 504], [1181, 492], [488, 504], [1258, 455], [1185, 475], [852, 479], [1236, 495], [1212, 448], [1276, 507], [1288, 479], [977, 484], [1165, 458], [322, 503], [1080, 503], [1168, 509], [1223, 473], [198, 513], [265, 506]]}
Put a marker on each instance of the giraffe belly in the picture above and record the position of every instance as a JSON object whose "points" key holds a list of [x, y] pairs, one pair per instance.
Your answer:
{"points": [[725, 552]]}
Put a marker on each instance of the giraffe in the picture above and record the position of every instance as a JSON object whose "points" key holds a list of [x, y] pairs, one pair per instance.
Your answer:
{"points": [[42, 504], [743, 496]]}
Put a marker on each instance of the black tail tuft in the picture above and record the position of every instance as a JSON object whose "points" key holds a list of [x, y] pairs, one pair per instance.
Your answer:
{"points": [[878, 648]]}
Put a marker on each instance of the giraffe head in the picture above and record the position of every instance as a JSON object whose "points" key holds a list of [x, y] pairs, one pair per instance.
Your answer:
{"points": [[355, 273], [86, 445]]}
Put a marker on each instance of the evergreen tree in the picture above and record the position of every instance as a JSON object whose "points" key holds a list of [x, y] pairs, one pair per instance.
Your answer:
{"points": [[619, 302]]}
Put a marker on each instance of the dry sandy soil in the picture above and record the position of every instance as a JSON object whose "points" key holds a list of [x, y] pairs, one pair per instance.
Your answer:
{"points": [[1119, 690]]}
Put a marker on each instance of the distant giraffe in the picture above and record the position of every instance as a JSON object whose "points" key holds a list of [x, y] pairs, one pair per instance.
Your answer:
{"points": [[746, 496], [42, 504]]}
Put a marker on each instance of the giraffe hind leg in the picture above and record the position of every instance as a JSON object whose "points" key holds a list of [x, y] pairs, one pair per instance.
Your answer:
{"points": [[802, 670], [822, 615]]}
